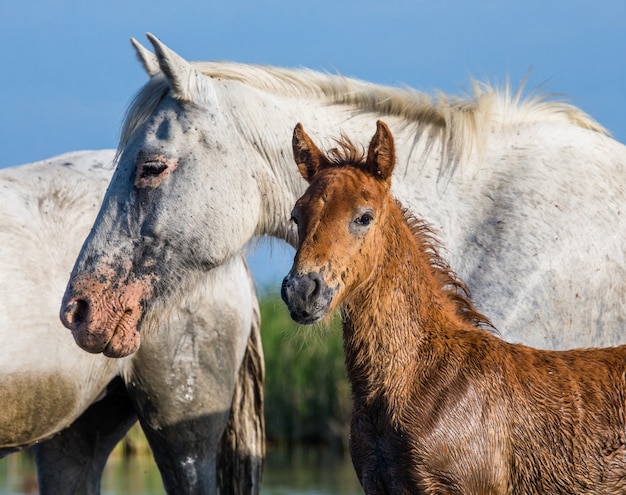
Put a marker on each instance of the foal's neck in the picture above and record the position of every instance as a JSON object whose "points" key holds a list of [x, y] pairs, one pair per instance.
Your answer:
{"points": [[411, 287], [394, 317]]}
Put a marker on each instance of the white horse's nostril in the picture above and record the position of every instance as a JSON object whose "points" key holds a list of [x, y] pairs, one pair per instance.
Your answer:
{"points": [[74, 313]]}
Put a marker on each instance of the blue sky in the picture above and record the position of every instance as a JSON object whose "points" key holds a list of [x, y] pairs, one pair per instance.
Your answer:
{"points": [[68, 71]]}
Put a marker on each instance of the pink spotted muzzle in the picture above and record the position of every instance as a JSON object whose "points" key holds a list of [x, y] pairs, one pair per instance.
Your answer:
{"points": [[104, 316]]}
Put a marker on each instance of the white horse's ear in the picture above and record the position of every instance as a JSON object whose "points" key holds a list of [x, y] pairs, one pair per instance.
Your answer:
{"points": [[184, 80], [147, 58]]}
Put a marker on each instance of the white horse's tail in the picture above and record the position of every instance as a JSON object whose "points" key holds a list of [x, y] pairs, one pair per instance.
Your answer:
{"points": [[242, 449]]}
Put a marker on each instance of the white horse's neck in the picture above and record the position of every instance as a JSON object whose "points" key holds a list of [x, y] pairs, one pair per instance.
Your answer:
{"points": [[440, 172]]}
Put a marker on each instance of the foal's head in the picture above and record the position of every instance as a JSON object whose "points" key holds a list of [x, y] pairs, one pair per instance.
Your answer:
{"points": [[340, 219]]}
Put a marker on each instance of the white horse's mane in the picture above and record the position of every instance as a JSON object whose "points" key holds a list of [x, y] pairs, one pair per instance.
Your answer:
{"points": [[463, 122]]}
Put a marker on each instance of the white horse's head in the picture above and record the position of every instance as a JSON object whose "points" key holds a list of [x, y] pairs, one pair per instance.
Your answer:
{"points": [[184, 198]]}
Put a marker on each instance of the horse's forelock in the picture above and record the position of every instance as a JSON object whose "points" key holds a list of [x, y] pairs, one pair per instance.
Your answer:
{"points": [[346, 153], [143, 105]]}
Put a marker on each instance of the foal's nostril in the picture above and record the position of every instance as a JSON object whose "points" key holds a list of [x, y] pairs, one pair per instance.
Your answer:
{"points": [[314, 285], [301, 289], [306, 296], [75, 313]]}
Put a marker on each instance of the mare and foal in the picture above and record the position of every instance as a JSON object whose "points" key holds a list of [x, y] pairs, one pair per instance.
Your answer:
{"points": [[440, 403]]}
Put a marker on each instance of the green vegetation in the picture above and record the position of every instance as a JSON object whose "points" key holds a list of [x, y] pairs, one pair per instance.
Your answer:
{"points": [[307, 396]]}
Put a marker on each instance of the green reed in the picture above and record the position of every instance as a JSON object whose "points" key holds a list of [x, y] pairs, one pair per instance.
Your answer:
{"points": [[307, 396]]}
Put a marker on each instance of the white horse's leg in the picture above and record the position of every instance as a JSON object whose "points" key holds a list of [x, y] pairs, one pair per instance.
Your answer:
{"points": [[72, 461], [183, 407], [183, 377], [186, 453]]}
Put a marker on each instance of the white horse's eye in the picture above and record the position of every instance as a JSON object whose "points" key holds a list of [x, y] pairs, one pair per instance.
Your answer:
{"points": [[152, 169]]}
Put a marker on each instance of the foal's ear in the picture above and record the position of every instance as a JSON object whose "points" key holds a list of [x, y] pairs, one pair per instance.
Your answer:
{"points": [[381, 155], [308, 157]]}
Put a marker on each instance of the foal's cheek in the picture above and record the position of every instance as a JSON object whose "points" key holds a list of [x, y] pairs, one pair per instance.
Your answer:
{"points": [[348, 280]]}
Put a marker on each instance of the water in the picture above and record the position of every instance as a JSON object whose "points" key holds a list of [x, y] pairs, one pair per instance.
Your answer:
{"points": [[302, 472], [309, 472]]}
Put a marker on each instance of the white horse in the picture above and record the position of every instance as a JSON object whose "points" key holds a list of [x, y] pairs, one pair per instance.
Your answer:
{"points": [[205, 166], [75, 406]]}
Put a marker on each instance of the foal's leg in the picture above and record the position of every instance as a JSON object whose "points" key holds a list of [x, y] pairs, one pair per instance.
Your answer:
{"points": [[72, 461], [363, 451]]}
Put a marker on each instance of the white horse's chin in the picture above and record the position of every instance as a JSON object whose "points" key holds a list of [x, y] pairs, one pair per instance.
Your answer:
{"points": [[126, 338]]}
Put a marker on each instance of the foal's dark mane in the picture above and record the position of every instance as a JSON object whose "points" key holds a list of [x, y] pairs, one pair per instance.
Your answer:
{"points": [[450, 283], [346, 154]]}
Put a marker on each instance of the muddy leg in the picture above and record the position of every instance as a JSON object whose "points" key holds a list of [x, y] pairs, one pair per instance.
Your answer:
{"points": [[72, 461]]}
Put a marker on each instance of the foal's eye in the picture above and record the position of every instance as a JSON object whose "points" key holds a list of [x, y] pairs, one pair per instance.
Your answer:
{"points": [[361, 221], [294, 219], [364, 220]]}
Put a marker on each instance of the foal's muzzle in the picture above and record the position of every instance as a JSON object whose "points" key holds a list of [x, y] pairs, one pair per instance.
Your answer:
{"points": [[307, 296]]}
